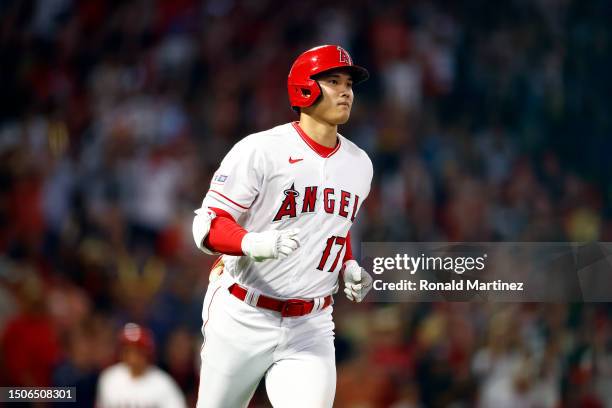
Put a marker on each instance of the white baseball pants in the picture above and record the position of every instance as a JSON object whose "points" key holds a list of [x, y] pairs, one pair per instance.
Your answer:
{"points": [[243, 343]]}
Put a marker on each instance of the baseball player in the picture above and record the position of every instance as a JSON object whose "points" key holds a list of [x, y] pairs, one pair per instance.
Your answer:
{"points": [[134, 382], [279, 209]]}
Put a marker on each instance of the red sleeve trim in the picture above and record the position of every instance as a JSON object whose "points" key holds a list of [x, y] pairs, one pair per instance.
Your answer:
{"points": [[229, 199]]}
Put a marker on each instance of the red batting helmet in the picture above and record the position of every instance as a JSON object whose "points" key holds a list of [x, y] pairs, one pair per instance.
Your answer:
{"points": [[136, 335], [303, 90]]}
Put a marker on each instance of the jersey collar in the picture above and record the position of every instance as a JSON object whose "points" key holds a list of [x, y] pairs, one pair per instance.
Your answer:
{"points": [[318, 148]]}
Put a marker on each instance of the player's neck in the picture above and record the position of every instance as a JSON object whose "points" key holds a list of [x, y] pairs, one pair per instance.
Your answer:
{"points": [[321, 132], [137, 371]]}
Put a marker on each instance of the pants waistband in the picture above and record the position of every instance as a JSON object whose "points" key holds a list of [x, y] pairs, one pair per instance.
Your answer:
{"points": [[287, 308]]}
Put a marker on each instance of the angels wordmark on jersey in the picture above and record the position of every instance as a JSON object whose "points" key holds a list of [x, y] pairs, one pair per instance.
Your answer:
{"points": [[288, 207], [286, 180]]}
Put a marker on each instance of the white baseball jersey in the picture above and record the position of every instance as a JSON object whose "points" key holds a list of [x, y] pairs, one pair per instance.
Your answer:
{"points": [[278, 179], [117, 388]]}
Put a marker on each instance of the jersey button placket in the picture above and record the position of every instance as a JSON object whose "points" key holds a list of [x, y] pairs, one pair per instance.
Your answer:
{"points": [[318, 168], [324, 175], [322, 184]]}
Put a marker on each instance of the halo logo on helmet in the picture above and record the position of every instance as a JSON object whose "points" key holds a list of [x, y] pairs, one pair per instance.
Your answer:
{"points": [[302, 89], [344, 56]]}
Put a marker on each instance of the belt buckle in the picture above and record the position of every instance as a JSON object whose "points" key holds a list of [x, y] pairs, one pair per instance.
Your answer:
{"points": [[293, 307]]}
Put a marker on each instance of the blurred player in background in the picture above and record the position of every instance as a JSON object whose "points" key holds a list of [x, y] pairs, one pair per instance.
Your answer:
{"points": [[134, 382], [280, 208]]}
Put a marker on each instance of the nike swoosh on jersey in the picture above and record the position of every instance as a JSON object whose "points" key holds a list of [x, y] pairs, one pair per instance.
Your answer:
{"points": [[294, 160]]}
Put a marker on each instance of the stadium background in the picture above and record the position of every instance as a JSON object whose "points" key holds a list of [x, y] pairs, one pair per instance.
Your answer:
{"points": [[486, 121]]}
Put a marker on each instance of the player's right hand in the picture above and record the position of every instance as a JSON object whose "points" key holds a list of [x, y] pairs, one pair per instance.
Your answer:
{"points": [[273, 244]]}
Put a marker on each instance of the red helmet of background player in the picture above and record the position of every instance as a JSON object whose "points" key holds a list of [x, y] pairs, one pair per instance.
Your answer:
{"points": [[138, 336], [302, 88]]}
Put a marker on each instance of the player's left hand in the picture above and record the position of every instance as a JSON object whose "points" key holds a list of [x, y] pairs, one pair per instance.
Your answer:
{"points": [[357, 282], [216, 270]]}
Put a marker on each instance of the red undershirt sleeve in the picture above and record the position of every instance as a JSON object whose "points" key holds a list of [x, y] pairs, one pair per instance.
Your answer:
{"points": [[348, 255], [225, 235]]}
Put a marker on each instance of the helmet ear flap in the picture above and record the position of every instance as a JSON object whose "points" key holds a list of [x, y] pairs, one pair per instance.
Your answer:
{"points": [[305, 94], [315, 92]]}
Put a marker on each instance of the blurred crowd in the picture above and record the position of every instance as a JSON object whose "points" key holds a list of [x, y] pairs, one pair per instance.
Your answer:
{"points": [[486, 121]]}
